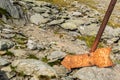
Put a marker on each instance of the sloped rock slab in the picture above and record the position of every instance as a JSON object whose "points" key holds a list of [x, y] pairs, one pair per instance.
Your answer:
{"points": [[33, 67], [94, 73]]}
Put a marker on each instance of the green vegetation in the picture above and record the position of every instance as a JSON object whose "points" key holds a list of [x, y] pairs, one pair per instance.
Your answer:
{"points": [[9, 53], [89, 40], [32, 56], [42, 77], [20, 39], [44, 59], [57, 62], [4, 12], [117, 61]]}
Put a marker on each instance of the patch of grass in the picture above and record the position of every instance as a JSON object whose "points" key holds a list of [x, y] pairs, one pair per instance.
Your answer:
{"points": [[13, 68], [89, 40], [44, 59], [22, 74], [57, 62], [117, 61], [32, 56], [4, 12], [42, 77], [20, 39], [9, 53]]}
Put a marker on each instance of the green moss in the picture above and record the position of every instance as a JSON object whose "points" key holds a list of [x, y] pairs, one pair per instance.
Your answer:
{"points": [[32, 56], [4, 12], [89, 40], [13, 68], [57, 62], [42, 77], [117, 61], [44, 59], [9, 53], [20, 39]]}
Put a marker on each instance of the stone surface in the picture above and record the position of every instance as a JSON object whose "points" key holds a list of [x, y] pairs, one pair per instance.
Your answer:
{"points": [[56, 55], [94, 73], [37, 19], [3, 62], [10, 8], [31, 44], [56, 22], [69, 26], [33, 67], [18, 52], [90, 30], [6, 44]]}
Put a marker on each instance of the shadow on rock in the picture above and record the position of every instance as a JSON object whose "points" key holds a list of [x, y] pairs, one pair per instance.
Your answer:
{"points": [[3, 76]]}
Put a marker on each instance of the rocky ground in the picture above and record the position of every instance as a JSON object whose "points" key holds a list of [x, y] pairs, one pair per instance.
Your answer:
{"points": [[35, 36]]}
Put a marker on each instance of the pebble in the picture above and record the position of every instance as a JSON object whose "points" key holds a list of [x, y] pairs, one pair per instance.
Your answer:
{"points": [[69, 26]]}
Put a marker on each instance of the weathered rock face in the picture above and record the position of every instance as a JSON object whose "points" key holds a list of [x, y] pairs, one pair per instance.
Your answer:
{"points": [[6, 44], [93, 73], [10, 8], [34, 67]]}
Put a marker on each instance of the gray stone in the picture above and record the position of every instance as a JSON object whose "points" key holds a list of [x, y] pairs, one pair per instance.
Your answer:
{"points": [[6, 44], [39, 9], [56, 22], [69, 26], [40, 47], [8, 36], [90, 30], [10, 8], [31, 44], [38, 19], [18, 52], [60, 70], [3, 62], [94, 73], [56, 55], [111, 32], [7, 31], [77, 14], [33, 67]]}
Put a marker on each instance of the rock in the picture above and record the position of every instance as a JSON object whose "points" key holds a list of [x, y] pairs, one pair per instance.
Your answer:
{"points": [[8, 36], [14, 10], [3, 62], [94, 73], [69, 26], [78, 22], [77, 14], [18, 52], [56, 55], [6, 44], [31, 44], [39, 9], [60, 70], [37, 19], [33, 67], [3, 76], [110, 32], [40, 47], [7, 31], [90, 30], [56, 22]]}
